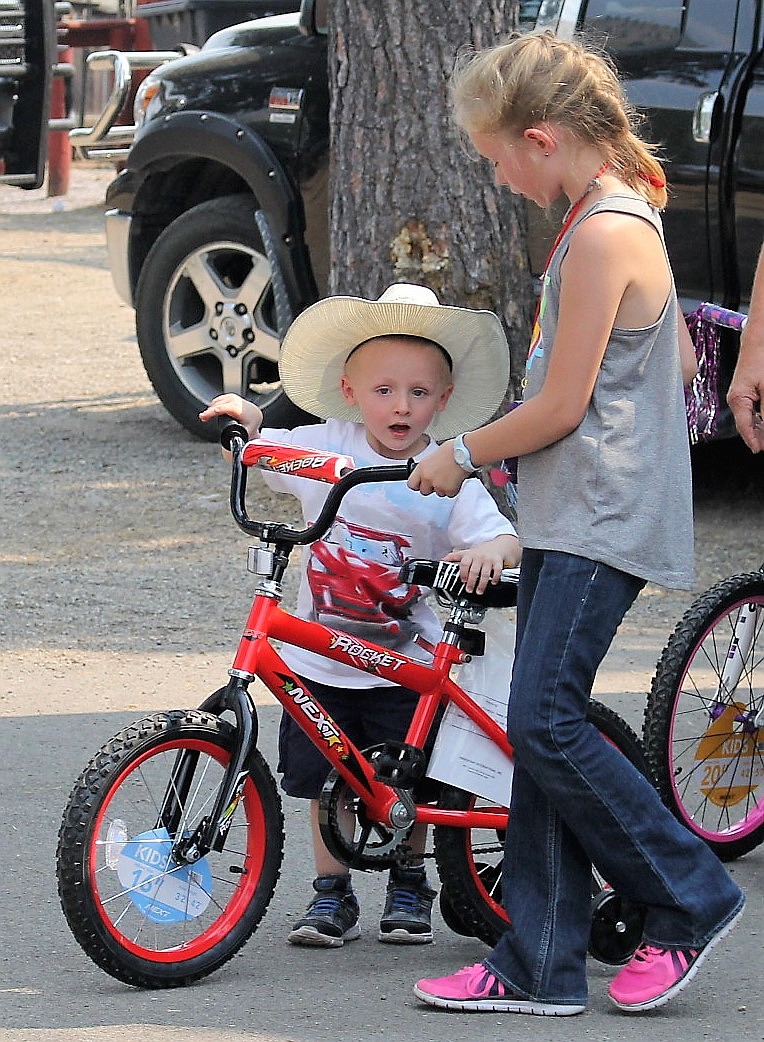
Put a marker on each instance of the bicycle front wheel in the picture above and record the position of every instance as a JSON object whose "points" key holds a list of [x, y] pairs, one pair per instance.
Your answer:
{"points": [[703, 721], [141, 915]]}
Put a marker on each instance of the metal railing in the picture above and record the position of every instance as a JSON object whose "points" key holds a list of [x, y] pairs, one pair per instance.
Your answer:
{"points": [[105, 140]]}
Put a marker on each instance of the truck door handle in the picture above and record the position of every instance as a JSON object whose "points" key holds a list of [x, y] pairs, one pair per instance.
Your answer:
{"points": [[706, 116]]}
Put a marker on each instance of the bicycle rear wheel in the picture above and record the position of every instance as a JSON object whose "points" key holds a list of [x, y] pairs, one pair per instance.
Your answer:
{"points": [[470, 862], [140, 915], [703, 720]]}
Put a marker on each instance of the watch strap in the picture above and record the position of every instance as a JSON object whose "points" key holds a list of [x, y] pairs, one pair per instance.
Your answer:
{"points": [[462, 455]]}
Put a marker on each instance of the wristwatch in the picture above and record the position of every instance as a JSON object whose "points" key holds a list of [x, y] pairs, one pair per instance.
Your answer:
{"points": [[462, 455]]}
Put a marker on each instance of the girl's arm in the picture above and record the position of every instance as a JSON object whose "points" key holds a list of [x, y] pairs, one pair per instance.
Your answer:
{"points": [[598, 269], [687, 357]]}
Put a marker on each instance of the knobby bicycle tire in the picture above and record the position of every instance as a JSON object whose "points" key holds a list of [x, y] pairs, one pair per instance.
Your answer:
{"points": [[700, 732], [136, 912], [470, 865]]}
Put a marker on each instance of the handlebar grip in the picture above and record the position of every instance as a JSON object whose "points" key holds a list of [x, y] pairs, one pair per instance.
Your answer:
{"points": [[720, 316], [230, 429]]}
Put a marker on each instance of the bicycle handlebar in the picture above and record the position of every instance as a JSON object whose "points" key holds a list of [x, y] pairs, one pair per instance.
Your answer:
{"points": [[234, 438], [720, 316], [230, 429]]}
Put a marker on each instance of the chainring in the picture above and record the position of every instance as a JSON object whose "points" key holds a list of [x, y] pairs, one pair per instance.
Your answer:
{"points": [[372, 846]]}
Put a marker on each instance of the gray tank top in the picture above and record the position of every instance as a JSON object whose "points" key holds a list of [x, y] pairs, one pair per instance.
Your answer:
{"points": [[618, 488]]}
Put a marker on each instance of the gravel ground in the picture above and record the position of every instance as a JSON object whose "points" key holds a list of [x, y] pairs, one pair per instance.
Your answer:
{"points": [[123, 575]]}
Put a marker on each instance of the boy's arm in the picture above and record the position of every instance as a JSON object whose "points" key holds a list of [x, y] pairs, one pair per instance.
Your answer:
{"points": [[247, 413], [484, 563]]}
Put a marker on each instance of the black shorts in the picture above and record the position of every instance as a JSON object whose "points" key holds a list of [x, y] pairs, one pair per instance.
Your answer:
{"points": [[368, 716]]}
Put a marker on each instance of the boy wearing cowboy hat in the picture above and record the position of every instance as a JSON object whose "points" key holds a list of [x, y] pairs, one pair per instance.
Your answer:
{"points": [[389, 376]]}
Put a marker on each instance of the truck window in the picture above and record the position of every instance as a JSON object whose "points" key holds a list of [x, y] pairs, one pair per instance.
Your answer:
{"points": [[625, 28], [676, 56]]}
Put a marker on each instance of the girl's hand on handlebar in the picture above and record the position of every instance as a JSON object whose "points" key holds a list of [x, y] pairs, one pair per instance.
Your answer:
{"points": [[439, 473], [247, 413]]}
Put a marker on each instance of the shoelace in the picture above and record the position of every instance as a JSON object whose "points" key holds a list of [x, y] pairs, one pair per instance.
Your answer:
{"points": [[408, 901], [645, 952], [325, 905]]}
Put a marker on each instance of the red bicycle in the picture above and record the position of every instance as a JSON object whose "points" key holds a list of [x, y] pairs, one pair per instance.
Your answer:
{"points": [[172, 840]]}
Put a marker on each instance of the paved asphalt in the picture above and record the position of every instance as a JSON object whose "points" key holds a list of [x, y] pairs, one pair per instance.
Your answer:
{"points": [[272, 992]]}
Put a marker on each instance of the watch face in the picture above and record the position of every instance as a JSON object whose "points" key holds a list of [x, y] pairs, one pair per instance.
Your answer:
{"points": [[461, 455]]}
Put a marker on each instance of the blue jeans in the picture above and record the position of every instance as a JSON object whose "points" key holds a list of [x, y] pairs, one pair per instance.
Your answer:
{"points": [[576, 801]]}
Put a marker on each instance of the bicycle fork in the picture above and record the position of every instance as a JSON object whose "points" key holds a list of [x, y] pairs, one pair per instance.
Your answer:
{"points": [[743, 635], [211, 832]]}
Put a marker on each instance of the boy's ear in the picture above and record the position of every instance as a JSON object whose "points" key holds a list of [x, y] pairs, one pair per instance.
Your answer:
{"points": [[347, 390], [445, 395]]}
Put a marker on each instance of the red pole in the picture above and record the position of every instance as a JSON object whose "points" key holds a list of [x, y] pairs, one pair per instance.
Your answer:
{"points": [[59, 149]]}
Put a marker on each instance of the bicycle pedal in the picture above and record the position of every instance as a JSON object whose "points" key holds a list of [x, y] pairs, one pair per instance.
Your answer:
{"points": [[398, 764]]}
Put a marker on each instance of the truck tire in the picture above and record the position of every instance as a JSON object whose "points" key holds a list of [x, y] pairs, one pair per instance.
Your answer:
{"points": [[205, 316]]}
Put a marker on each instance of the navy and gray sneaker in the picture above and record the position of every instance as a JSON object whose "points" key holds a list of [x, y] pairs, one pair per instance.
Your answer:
{"points": [[406, 918], [331, 917]]}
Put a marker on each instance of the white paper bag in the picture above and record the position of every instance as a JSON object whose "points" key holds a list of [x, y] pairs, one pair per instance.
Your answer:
{"points": [[462, 755]]}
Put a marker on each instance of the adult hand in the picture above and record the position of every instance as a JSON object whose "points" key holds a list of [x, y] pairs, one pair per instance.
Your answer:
{"points": [[439, 473], [745, 395]]}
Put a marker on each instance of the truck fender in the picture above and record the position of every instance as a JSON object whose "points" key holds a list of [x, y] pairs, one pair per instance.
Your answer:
{"points": [[208, 135]]}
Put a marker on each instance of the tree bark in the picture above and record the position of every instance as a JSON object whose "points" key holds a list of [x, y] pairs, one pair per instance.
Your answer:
{"points": [[408, 204]]}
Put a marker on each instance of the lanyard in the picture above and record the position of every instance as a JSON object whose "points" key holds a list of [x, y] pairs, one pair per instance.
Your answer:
{"points": [[569, 219]]}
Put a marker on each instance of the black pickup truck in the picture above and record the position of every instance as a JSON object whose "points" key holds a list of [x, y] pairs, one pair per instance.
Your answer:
{"points": [[695, 69], [217, 226], [28, 58]]}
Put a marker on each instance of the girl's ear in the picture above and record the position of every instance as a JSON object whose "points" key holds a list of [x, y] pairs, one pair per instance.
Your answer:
{"points": [[347, 391], [540, 138]]}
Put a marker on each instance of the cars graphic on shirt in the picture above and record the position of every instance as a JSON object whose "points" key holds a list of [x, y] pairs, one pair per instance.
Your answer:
{"points": [[353, 577]]}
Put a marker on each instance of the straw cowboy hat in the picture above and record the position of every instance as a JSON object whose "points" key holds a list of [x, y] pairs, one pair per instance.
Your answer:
{"points": [[320, 339]]}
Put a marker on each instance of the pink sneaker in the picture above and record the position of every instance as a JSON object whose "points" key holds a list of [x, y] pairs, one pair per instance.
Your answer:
{"points": [[475, 989], [655, 975]]}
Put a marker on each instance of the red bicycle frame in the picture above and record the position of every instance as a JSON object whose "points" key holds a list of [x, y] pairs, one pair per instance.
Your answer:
{"points": [[256, 657]]}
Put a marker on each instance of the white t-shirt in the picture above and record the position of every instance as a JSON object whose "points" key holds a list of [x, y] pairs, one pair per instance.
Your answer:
{"points": [[350, 577]]}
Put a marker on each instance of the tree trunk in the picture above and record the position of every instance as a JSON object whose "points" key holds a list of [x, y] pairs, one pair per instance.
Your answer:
{"points": [[407, 203]]}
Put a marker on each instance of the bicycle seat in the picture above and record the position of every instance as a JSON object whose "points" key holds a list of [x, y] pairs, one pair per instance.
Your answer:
{"points": [[443, 576]]}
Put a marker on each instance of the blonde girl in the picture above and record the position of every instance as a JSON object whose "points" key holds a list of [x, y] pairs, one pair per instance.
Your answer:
{"points": [[604, 506]]}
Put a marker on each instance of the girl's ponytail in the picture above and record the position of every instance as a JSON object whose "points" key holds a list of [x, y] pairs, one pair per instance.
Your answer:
{"points": [[634, 162]]}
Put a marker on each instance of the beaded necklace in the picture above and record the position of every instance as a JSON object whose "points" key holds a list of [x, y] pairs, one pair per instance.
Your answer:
{"points": [[572, 213], [568, 220]]}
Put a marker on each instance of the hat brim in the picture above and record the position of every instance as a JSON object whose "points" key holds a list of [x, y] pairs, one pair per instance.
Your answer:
{"points": [[320, 339]]}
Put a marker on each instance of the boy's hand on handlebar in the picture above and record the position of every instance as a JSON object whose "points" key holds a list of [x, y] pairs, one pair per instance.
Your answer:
{"points": [[438, 473], [237, 408], [484, 563]]}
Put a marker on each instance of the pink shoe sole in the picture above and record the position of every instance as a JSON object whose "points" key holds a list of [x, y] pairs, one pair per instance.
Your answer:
{"points": [[499, 1005], [476, 990]]}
